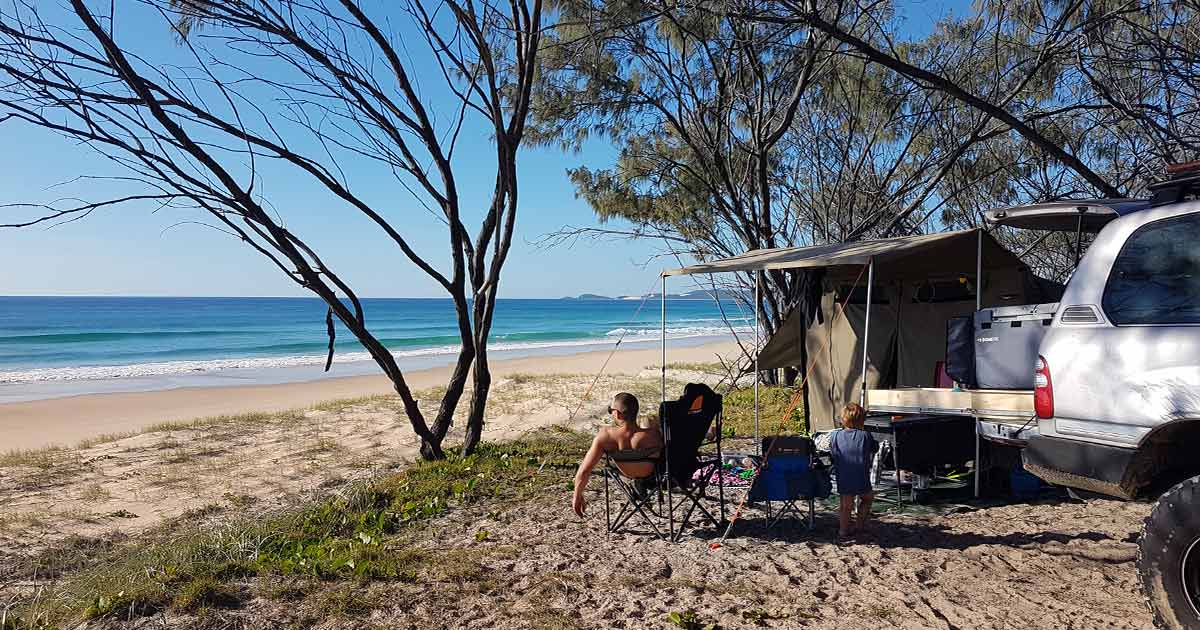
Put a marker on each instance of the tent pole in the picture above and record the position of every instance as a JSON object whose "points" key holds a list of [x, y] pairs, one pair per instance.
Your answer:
{"points": [[979, 270], [862, 398], [757, 308]]}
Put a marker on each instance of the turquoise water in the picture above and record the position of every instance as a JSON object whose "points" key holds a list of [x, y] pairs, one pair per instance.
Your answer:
{"points": [[69, 339]]}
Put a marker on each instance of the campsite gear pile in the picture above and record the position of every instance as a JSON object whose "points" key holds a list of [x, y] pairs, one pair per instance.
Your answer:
{"points": [[732, 476], [691, 473], [922, 444]]}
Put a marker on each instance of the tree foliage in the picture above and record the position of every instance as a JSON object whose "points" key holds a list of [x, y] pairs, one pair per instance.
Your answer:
{"points": [[744, 124]]}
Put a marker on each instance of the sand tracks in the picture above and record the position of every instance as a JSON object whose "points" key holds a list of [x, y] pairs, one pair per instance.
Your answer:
{"points": [[1047, 565]]}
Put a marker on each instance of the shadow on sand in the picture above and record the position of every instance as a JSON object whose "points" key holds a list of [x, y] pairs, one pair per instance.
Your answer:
{"points": [[910, 534]]}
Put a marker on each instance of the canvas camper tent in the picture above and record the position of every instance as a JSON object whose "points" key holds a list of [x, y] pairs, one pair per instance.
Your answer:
{"points": [[914, 285]]}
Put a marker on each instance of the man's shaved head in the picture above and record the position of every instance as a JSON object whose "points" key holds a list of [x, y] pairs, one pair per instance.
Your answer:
{"points": [[627, 405]]}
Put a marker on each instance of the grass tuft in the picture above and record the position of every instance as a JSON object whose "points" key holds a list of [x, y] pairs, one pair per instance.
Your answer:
{"points": [[205, 592], [95, 493], [343, 404], [41, 459]]}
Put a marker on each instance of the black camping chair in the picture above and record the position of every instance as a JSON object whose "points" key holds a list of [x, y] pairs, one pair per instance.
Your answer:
{"points": [[686, 425], [788, 476], [638, 491]]}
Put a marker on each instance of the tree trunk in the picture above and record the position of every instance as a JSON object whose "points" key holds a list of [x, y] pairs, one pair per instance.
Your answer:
{"points": [[481, 374], [482, 379], [454, 388]]}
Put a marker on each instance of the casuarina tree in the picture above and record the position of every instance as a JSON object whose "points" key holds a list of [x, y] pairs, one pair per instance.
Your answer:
{"points": [[312, 91]]}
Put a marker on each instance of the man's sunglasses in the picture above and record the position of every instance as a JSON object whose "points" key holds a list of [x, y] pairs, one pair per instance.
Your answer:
{"points": [[611, 409]]}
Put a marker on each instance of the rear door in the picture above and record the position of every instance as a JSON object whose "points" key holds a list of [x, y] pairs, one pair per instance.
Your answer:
{"points": [[1128, 359], [1086, 215]]}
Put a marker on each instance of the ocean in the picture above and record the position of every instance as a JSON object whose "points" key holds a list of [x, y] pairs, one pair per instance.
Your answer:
{"points": [[51, 346]]}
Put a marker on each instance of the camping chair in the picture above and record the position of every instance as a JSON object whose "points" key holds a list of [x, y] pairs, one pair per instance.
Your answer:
{"points": [[638, 491], [686, 425], [787, 476]]}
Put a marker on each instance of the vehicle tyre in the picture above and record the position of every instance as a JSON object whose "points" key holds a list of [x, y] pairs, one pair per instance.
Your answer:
{"points": [[1169, 557]]}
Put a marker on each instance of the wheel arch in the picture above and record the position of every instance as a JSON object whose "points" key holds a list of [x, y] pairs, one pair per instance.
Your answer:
{"points": [[1164, 457]]}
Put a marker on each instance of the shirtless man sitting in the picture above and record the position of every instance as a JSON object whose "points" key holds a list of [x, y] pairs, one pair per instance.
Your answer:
{"points": [[624, 435]]}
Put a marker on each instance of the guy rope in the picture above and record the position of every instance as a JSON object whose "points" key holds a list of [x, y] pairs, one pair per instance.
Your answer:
{"points": [[624, 331]]}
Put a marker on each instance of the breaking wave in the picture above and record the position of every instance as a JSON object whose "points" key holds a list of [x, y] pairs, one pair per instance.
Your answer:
{"points": [[205, 366]]}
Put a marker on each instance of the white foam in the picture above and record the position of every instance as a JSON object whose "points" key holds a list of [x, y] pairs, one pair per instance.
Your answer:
{"points": [[168, 368], [681, 332]]}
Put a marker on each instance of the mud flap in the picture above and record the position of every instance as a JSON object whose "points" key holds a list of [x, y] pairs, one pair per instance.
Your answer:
{"points": [[1077, 464]]}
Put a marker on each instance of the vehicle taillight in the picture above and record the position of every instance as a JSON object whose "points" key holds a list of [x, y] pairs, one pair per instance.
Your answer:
{"points": [[1043, 389]]}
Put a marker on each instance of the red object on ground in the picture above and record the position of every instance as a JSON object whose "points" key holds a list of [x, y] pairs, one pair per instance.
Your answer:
{"points": [[940, 377]]}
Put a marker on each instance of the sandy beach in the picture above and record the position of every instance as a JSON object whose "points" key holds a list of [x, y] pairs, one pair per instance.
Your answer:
{"points": [[267, 447], [67, 421]]}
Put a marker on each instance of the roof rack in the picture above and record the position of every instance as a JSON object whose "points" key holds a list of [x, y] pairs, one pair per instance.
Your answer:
{"points": [[1182, 183]]}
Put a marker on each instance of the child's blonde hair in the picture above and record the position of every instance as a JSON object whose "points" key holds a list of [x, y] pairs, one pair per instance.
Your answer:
{"points": [[853, 416]]}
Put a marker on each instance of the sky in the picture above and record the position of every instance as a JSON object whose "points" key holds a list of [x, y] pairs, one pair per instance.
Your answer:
{"points": [[135, 250]]}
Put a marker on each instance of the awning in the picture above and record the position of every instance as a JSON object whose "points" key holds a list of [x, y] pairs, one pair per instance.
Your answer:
{"points": [[925, 253]]}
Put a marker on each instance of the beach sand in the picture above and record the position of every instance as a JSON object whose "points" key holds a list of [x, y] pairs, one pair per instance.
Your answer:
{"points": [[1044, 565], [273, 445], [67, 421]]}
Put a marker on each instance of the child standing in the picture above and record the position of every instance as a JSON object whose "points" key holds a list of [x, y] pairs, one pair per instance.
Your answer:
{"points": [[853, 449]]}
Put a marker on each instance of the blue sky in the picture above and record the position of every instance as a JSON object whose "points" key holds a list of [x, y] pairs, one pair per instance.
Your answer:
{"points": [[136, 251]]}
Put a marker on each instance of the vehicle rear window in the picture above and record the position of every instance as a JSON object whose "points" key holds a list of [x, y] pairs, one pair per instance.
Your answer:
{"points": [[1156, 277]]}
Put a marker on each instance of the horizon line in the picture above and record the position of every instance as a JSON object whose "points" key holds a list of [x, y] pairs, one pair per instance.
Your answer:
{"points": [[309, 297]]}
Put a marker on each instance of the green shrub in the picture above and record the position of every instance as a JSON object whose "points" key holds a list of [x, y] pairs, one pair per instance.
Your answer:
{"points": [[777, 413]]}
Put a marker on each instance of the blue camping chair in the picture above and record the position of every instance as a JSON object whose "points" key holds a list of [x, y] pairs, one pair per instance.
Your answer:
{"points": [[788, 477]]}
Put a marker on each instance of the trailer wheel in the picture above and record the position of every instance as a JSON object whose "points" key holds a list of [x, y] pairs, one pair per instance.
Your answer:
{"points": [[1169, 557]]}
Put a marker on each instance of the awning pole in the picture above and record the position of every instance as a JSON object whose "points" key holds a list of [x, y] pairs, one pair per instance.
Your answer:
{"points": [[757, 308], [663, 297], [862, 399], [978, 307], [979, 271], [662, 416]]}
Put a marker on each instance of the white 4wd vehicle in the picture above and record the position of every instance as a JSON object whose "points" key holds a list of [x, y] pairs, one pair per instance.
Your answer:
{"points": [[1118, 380]]}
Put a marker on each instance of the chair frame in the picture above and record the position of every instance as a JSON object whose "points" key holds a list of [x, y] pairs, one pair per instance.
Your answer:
{"points": [[693, 495], [636, 501], [792, 504]]}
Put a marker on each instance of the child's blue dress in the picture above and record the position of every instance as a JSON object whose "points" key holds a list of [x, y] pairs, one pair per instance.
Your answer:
{"points": [[852, 451]]}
